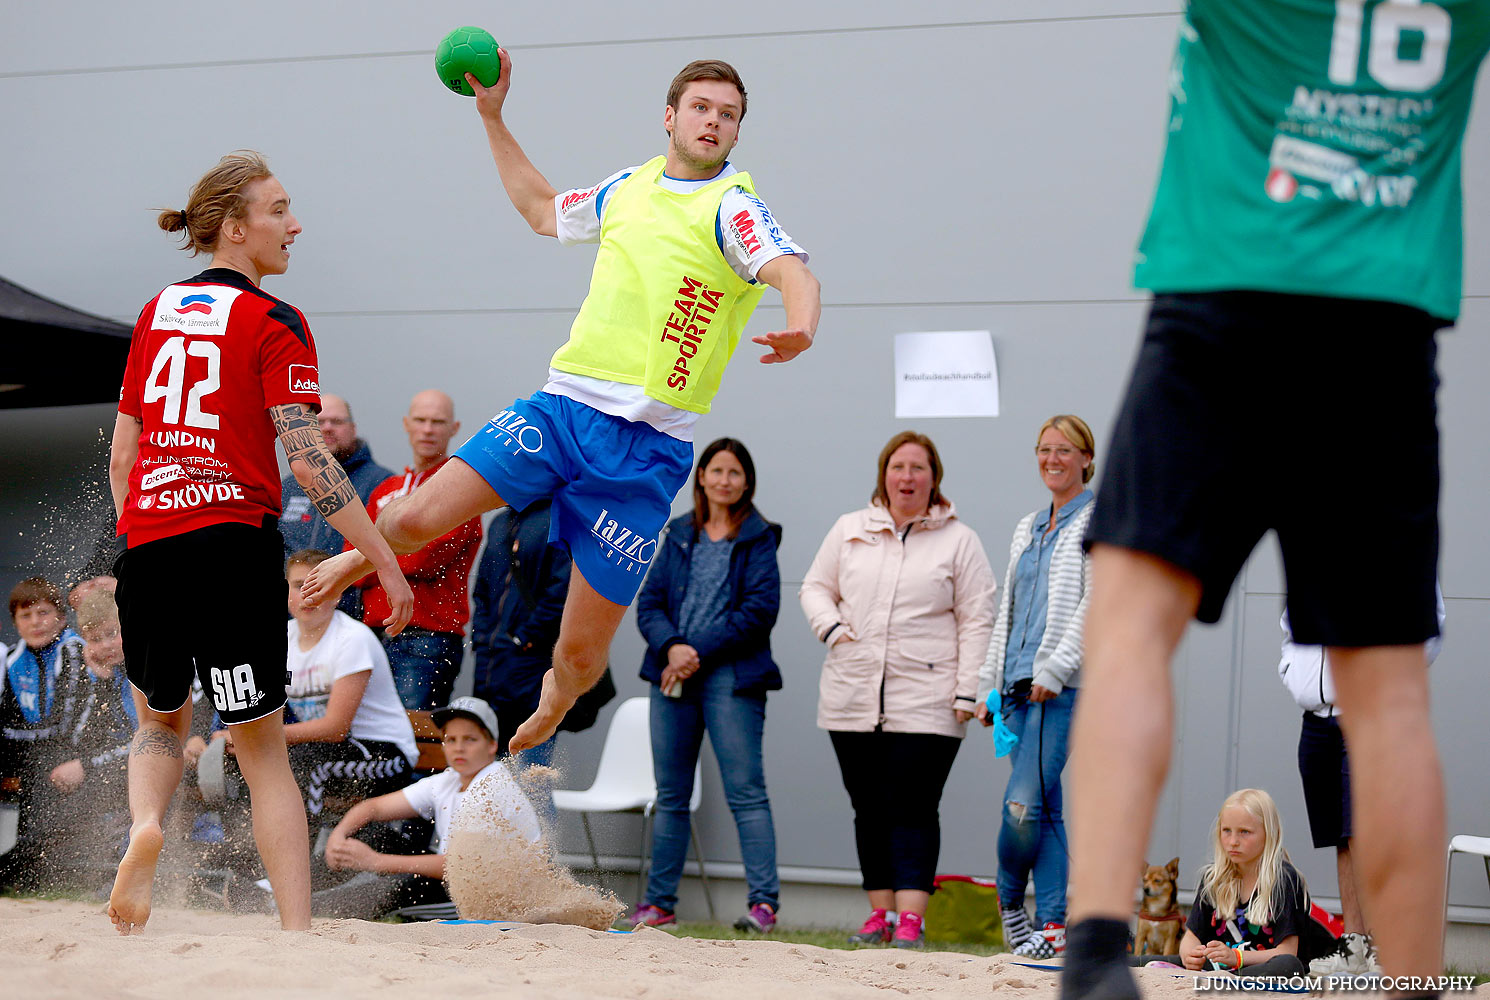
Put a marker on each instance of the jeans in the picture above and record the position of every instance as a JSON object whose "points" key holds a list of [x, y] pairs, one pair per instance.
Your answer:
{"points": [[1032, 837], [736, 727], [894, 782], [424, 666]]}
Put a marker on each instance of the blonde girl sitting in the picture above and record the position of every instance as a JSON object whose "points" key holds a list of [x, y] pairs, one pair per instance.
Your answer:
{"points": [[1251, 912]]}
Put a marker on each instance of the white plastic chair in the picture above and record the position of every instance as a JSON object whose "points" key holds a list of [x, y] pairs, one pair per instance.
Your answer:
{"points": [[624, 782], [1463, 844], [10, 816]]}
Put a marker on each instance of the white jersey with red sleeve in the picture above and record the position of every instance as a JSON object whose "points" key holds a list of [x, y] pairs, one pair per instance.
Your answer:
{"points": [[208, 357]]}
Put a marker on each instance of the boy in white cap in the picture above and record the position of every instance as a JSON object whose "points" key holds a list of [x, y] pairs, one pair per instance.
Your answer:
{"points": [[468, 727]]}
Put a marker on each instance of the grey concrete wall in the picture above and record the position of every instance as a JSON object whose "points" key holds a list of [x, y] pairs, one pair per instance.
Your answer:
{"points": [[963, 165]]}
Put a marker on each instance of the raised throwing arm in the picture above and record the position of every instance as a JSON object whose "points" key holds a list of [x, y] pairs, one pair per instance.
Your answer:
{"points": [[530, 191]]}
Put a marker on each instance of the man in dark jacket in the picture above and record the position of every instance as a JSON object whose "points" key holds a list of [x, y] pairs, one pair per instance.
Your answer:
{"points": [[521, 584], [301, 526]]}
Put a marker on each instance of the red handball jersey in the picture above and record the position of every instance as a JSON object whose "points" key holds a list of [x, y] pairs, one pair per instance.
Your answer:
{"points": [[208, 357]]}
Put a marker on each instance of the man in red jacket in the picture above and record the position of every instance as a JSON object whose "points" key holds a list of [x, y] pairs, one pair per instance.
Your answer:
{"points": [[426, 656]]}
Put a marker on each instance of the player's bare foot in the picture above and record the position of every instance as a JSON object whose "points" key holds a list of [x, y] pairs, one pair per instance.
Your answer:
{"points": [[327, 580], [129, 902], [542, 724], [553, 705]]}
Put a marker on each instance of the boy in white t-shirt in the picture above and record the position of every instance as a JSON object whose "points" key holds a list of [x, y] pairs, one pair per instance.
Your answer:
{"points": [[468, 727], [351, 734]]}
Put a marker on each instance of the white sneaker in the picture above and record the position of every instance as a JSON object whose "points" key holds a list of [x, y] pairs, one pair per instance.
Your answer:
{"points": [[1354, 955]]}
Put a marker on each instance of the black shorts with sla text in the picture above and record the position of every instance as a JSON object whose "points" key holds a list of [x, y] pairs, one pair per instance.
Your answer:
{"points": [[1312, 417], [209, 602]]}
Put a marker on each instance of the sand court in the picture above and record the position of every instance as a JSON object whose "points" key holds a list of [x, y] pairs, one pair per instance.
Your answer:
{"points": [[64, 949]]}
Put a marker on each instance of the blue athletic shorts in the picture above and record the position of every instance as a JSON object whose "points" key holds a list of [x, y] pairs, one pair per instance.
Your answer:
{"points": [[612, 482]]}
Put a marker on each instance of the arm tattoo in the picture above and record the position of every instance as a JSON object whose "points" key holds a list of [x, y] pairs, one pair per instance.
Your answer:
{"points": [[155, 741], [299, 439], [300, 434]]}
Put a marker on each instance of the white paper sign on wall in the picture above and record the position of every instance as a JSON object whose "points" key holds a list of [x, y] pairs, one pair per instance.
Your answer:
{"points": [[947, 373]]}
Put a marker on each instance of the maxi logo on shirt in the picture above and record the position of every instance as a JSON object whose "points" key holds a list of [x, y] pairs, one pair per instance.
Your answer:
{"points": [[692, 312]]}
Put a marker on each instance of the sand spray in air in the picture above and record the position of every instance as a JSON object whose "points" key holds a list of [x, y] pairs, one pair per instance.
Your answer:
{"points": [[78, 832], [495, 873]]}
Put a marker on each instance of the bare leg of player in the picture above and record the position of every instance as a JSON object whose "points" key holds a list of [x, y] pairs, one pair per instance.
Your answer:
{"points": [[452, 496], [585, 632], [1396, 786], [1351, 912], [278, 816], [1140, 608], [155, 766]]}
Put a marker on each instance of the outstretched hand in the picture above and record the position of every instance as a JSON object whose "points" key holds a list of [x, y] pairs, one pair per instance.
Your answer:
{"points": [[489, 100], [400, 600], [784, 344]]}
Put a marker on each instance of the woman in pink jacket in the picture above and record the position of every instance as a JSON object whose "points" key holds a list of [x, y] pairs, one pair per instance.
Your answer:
{"points": [[902, 594]]}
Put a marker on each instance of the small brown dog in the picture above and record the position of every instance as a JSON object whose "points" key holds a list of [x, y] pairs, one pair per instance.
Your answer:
{"points": [[1159, 922]]}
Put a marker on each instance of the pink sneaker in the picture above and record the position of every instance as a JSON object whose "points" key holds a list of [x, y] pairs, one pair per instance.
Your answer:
{"points": [[648, 915], [761, 919], [876, 930], [910, 932]]}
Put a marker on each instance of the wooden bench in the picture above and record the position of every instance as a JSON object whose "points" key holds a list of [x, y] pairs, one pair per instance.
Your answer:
{"points": [[427, 735]]}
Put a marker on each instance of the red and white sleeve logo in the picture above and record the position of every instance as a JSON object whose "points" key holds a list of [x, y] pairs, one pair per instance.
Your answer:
{"points": [[574, 198], [303, 378]]}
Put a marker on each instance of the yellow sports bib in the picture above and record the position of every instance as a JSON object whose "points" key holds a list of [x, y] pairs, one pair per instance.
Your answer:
{"points": [[665, 310]]}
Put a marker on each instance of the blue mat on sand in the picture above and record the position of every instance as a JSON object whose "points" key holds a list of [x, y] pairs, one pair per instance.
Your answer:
{"points": [[507, 925]]}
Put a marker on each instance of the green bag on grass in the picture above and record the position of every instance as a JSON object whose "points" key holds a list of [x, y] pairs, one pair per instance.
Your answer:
{"points": [[964, 909]]}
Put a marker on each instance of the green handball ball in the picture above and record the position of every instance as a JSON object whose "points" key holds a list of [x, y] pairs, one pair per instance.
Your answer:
{"points": [[467, 50]]}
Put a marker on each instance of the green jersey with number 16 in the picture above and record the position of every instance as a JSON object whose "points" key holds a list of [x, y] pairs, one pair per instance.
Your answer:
{"points": [[1314, 148]]}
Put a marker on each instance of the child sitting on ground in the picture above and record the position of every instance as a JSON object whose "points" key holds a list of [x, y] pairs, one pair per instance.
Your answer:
{"points": [[468, 727], [1251, 912]]}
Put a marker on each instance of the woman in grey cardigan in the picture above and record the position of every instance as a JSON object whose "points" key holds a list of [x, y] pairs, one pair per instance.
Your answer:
{"points": [[1034, 663]]}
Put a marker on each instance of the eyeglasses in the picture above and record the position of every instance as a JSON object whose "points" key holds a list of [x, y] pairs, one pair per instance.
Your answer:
{"points": [[334, 421]]}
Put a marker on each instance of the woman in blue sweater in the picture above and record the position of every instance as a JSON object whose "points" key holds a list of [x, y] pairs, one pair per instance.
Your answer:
{"points": [[706, 610]]}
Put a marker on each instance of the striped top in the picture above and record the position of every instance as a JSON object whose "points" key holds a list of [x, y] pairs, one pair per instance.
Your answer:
{"points": [[1058, 660]]}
